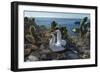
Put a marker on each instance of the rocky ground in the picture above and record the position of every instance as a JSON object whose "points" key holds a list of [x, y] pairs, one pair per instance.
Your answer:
{"points": [[83, 45]]}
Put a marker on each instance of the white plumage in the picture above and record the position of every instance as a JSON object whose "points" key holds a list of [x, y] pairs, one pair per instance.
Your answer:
{"points": [[57, 46]]}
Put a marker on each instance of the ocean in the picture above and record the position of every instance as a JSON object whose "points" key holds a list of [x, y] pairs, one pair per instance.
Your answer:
{"points": [[68, 23]]}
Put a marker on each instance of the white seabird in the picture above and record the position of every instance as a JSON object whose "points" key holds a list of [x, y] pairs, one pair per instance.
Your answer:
{"points": [[57, 46]]}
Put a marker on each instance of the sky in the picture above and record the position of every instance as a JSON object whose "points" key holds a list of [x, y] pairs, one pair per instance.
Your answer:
{"points": [[55, 14]]}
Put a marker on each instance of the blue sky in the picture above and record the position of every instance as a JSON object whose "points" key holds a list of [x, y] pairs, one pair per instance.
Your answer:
{"points": [[55, 14]]}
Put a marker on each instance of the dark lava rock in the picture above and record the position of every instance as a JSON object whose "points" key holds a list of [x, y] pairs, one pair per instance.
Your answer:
{"points": [[72, 55]]}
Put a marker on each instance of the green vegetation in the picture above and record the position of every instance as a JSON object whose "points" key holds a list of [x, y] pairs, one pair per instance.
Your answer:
{"points": [[53, 25], [64, 32], [84, 27]]}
